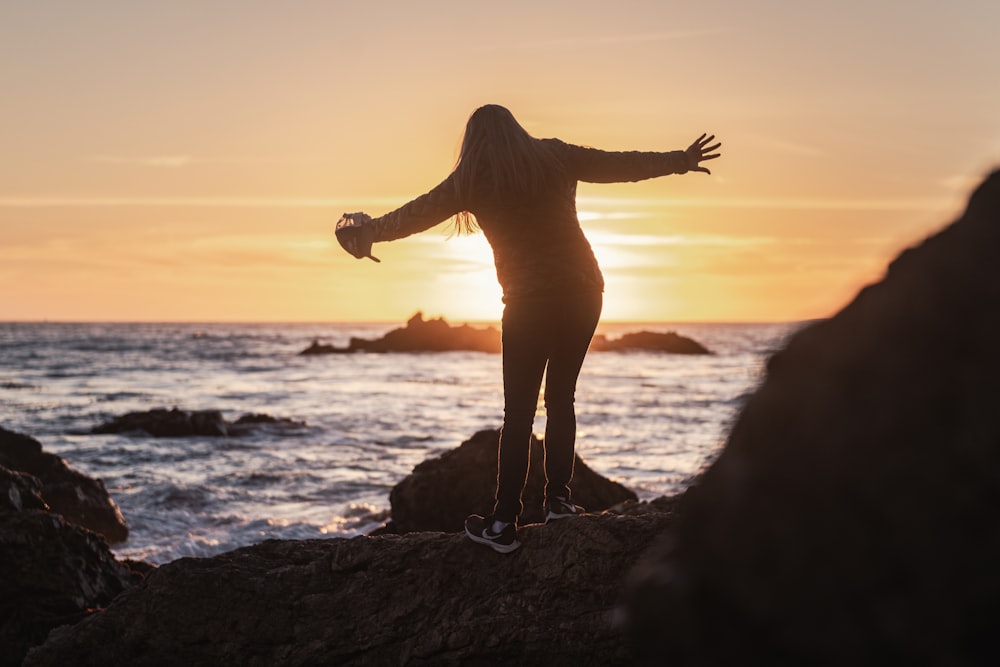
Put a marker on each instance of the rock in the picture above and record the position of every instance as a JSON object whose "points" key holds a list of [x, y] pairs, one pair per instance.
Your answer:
{"points": [[175, 423], [163, 423], [19, 492], [649, 341], [422, 598], [78, 498], [442, 491], [851, 518], [53, 572], [420, 335]]}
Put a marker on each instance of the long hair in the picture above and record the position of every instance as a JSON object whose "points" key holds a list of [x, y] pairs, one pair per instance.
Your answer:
{"points": [[499, 159]]}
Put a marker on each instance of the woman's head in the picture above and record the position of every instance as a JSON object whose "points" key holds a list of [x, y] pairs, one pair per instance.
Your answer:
{"points": [[493, 126], [499, 159]]}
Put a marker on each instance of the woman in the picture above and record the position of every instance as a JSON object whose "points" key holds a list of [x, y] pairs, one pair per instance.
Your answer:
{"points": [[521, 191]]}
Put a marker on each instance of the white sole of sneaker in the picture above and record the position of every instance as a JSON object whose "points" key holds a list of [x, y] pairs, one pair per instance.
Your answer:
{"points": [[555, 517], [499, 548]]}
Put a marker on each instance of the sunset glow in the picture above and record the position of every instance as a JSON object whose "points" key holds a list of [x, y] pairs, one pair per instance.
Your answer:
{"points": [[188, 160]]}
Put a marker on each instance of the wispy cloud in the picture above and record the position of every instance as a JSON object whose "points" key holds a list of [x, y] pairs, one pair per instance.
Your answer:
{"points": [[776, 203], [783, 146], [352, 203], [158, 161], [605, 40], [699, 240], [643, 206]]}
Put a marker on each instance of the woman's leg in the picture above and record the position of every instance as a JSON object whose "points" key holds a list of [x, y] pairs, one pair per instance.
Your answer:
{"points": [[572, 330], [524, 356]]}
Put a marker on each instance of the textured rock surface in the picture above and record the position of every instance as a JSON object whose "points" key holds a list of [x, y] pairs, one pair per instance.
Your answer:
{"points": [[422, 598], [78, 498], [851, 518], [441, 492], [53, 573]]}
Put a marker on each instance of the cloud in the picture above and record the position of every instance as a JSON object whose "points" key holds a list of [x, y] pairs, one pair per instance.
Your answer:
{"points": [[340, 203], [775, 203], [159, 161], [605, 40], [783, 146]]}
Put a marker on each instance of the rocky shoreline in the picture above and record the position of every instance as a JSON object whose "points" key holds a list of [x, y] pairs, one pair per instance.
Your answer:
{"points": [[414, 591], [849, 519]]}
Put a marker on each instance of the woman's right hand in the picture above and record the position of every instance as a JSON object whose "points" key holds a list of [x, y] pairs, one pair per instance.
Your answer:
{"points": [[700, 151], [355, 233]]}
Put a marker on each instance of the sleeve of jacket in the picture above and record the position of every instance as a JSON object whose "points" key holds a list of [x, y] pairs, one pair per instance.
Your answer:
{"points": [[420, 214], [596, 166]]}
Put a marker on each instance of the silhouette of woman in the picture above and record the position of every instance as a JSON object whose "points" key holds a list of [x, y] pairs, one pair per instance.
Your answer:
{"points": [[521, 192]]}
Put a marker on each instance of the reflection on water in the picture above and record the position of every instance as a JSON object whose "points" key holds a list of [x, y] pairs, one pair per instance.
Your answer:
{"points": [[650, 421]]}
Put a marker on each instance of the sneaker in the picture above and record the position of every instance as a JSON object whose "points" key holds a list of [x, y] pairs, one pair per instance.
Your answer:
{"points": [[480, 529], [560, 508]]}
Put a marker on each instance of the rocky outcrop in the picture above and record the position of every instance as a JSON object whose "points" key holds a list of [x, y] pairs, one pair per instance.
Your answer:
{"points": [[851, 518], [52, 571], [420, 335], [422, 598], [176, 423], [442, 491], [648, 341], [80, 499]]}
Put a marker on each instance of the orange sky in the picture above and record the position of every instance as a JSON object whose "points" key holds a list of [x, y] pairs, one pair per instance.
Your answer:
{"points": [[187, 160]]}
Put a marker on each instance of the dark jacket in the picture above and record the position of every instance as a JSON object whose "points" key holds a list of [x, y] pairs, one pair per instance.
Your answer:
{"points": [[538, 245]]}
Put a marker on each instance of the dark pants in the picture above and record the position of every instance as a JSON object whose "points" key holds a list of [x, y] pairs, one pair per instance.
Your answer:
{"points": [[550, 337]]}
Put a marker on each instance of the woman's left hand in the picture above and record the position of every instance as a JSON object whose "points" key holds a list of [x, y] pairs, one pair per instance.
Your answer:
{"points": [[700, 151]]}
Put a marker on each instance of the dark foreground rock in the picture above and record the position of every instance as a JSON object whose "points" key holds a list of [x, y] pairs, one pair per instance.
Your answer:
{"points": [[52, 572], [420, 335], [441, 492], [423, 598], [176, 423], [852, 516], [80, 499]]}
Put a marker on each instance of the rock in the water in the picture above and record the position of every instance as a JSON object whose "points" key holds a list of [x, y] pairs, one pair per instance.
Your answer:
{"points": [[176, 423], [420, 335], [423, 598], [442, 491], [80, 499], [649, 341], [852, 516]]}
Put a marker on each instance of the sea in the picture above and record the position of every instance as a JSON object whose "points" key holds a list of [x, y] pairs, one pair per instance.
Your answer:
{"points": [[651, 421]]}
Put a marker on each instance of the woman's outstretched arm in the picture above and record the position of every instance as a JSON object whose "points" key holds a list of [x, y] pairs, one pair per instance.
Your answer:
{"points": [[596, 166], [357, 231], [418, 215]]}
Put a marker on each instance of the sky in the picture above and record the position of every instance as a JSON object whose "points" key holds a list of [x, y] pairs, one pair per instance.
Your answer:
{"points": [[187, 161]]}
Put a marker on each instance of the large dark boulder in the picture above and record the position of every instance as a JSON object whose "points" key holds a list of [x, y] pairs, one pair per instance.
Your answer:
{"points": [[422, 598], [852, 516], [80, 499], [442, 491], [51, 572]]}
